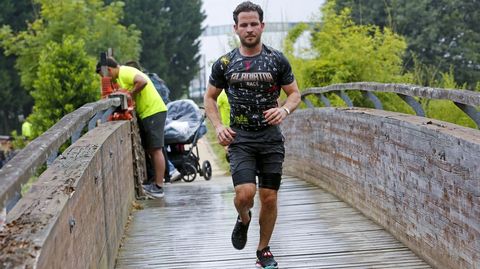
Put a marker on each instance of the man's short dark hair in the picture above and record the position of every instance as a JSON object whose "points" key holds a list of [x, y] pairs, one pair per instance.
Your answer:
{"points": [[110, 63], [246, 7]]}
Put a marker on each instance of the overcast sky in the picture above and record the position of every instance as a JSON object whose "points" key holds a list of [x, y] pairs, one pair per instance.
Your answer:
{"points": [[219, 12]]}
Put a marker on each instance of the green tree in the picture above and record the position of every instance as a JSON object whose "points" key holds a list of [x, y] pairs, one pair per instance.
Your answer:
{"points": [[14, 100], [89, 23], [170, 39], [299, 64], [440, 34], [65, 72], [347, 52]]}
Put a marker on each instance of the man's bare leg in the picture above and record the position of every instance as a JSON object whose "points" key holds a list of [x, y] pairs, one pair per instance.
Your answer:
{"points": [[158, 161], [244, 194], [268, 215]]}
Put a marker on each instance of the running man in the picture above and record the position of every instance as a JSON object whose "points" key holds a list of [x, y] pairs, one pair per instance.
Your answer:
{"points": [[252, 76]]}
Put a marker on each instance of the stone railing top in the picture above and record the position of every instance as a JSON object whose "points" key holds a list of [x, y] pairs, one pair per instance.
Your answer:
{"points": [[23, 165], [459, 96]]}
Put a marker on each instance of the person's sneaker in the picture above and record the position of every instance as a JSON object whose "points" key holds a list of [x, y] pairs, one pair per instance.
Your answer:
{"points": [[175, 175], [239, 234], [153, 190], [265, 259]]}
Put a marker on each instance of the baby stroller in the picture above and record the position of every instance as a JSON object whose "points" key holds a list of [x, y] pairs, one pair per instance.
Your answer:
{"points": [[183, 127]]}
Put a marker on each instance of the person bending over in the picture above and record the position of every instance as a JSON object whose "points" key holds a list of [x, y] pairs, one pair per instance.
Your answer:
{"points": [[152, 112]]}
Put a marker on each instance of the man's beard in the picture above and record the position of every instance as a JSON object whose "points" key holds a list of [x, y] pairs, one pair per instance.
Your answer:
{"points": [[246, 44]]}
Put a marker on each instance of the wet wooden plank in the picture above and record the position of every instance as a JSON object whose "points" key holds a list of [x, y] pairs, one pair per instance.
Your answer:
{"points": [[191, 228]]}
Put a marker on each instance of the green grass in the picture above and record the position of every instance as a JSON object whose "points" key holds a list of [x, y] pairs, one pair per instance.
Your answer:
{"points": [[446, 110]]}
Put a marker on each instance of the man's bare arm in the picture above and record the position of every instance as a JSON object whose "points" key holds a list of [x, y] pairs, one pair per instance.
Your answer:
{"points": [[210, 103], [293, 96], [275, 116], [139, 84], [224, 134]]}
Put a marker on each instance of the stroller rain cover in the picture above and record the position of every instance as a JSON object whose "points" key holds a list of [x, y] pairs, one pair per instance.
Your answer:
{"points": [[184, 118]]}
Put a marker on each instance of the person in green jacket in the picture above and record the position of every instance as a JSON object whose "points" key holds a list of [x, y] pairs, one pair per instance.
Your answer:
{"points": [[152, 112]]}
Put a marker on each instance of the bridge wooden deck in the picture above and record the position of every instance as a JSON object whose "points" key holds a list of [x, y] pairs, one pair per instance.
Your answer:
{"points": [[191, 228]]}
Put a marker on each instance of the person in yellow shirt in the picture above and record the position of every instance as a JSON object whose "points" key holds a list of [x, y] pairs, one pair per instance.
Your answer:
{"points": [[152, 112], [27, 130], [224, 108], [164, 92]]}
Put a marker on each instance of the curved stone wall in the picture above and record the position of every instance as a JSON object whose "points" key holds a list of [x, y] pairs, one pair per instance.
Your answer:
{"points": [[419, 178], [74, 215]]}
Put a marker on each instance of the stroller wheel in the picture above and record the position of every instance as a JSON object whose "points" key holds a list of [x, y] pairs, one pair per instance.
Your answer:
{"points": [[207, 170], [189, 172]]}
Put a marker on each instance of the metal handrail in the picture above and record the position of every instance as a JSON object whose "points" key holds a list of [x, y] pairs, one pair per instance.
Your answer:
{"points": [[467, 101], [23, 165]]}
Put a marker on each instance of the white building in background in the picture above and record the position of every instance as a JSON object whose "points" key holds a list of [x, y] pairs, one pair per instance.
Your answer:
{"points": [[218, 40]]}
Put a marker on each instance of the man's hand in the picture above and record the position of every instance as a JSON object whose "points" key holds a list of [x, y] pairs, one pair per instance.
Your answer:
{"points": [[225, 135], [275, 116]]}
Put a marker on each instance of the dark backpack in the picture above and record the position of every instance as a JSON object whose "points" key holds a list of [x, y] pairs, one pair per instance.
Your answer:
{"points": [[160, 86]]}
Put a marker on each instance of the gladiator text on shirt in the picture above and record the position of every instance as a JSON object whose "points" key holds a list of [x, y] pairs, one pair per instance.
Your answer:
{"points": [[256, 76]]}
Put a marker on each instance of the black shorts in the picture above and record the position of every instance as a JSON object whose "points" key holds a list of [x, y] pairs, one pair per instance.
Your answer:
{"points": [[257, 153], [152, 130]]}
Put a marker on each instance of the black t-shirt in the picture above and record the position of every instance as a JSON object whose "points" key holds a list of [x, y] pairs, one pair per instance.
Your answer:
{"points": [[252, 84]]}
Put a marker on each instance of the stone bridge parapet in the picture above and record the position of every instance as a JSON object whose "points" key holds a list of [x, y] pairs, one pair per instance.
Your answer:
{"points": [[419, 178], [75, 213]]}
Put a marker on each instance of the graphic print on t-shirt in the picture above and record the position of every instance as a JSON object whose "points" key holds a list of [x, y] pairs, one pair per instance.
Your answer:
{"points": [[252, 85]]}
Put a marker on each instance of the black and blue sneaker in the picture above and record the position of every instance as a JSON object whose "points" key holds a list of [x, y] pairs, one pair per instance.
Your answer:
{"points": [[153, 190], [265, 259], [239, 234]]}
